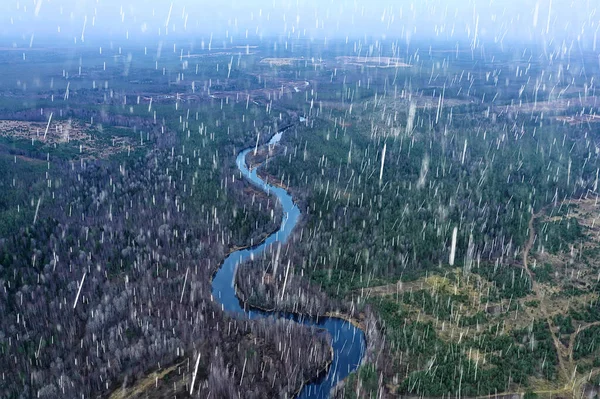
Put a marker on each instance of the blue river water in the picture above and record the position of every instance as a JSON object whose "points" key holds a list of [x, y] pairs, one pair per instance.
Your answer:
{"points": [[348, 341]]}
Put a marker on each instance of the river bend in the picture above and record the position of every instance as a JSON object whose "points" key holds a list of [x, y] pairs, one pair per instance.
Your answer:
{"points": [[348, 341]]}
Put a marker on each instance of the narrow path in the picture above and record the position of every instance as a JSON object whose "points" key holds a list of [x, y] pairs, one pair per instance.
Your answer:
{"points": [[561, 350], [573, 386]]}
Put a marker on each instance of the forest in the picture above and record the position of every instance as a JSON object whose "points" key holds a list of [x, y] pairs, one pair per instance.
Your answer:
{"points": [[105, 262], [448, 210], [385, 182]]}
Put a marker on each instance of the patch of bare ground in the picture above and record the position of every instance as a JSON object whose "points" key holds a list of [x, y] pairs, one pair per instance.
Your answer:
{"points": [[578, 119], [470, 285], [574, 265], [550, 106], [464, 282], [335, 105], [430, 103], [280, 61], [396, 288], [148, 387], [373, 62], [29, 159], [548, 301], [405, 101], [572, 269], [212, 54], [55, 133], [260, 96]]}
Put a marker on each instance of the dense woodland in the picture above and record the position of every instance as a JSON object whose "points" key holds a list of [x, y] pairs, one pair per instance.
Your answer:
{"points": [[105, 263], [384, 183]]}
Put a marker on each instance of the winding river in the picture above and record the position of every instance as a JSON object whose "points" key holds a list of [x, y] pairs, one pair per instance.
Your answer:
{"points": [[348, 341]]}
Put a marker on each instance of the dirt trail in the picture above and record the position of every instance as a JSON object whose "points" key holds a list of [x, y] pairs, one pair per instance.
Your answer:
{"points": [[561, 351], [573, 387]]}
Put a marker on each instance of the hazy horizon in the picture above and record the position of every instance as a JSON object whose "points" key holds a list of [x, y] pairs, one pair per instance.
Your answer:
{"points": [[137, 20]]}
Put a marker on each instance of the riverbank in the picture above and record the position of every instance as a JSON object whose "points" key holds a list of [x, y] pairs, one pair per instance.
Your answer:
{"points": [[348, 341]]}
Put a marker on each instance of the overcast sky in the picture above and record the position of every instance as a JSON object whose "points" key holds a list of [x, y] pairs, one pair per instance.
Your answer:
{"points": [[403, 19]]}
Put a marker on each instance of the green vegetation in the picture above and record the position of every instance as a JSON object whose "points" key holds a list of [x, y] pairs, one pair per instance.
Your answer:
{"points": [[559, 235], [368, 379], [145, 200], [544, 273], [440, 304], [508, 282], [466, 151], [511, 358], [21, 183], [564, 324], [530, 395], [338, 283], [587, 343], [588, 313]]}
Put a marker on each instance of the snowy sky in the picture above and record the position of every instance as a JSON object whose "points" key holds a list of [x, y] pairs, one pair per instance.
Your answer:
{"points": [[406, 19]]}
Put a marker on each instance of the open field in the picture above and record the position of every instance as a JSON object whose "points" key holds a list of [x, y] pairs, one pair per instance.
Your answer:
{"points": [[89, 140], [280, 61], [373, 62]]}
